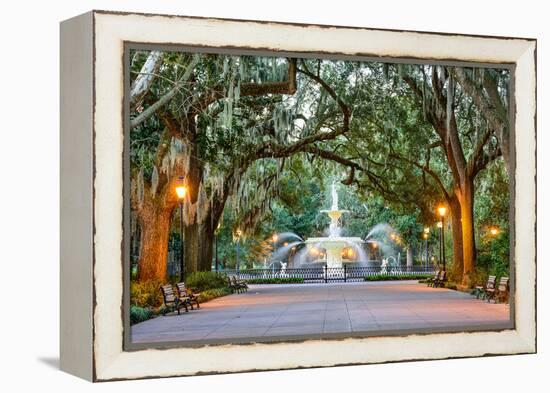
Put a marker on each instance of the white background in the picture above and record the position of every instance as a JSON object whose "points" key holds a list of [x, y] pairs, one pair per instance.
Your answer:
{"points": [[29, 196]]}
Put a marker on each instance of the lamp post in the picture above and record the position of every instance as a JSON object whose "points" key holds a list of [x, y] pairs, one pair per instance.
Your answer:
{"points": [[442, 210], [216, 233], [238, 233], [440, 225], [426, 235], [181, 191], [493, 232], [274, 238]]}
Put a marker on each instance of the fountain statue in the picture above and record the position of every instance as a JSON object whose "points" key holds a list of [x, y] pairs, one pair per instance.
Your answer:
{"points": [[334, 244], [282, 272], [387, 266]]}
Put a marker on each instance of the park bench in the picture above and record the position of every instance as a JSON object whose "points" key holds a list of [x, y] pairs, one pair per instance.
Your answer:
{"points": [[183, 292], [239, 285], [242, 283], [230, 284], [483, 290], [501, 292], [430, 281], [441, 280], [171, 301]]}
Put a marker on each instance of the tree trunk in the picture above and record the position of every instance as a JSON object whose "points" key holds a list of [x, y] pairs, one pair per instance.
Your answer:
{"points": [[468, 240], [456, 233], [208, 227], [193, 182], [206, 247], [154, 220], [199, 239], [191, 253], [410, 259]]}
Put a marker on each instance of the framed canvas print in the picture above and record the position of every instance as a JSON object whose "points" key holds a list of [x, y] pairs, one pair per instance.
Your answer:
{"points": [[246, 195]]}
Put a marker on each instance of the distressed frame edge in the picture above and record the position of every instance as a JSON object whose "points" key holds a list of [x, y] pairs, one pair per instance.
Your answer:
{"points": [[526, 88], [304, 24]]}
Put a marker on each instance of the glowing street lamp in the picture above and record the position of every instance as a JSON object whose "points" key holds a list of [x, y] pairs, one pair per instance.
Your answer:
{"points": [[426, 235], [442, 210], [238, 234], [274, 239], [181, 192], [493, 232]]}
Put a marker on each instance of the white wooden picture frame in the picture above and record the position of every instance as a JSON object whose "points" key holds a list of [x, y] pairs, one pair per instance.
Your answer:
{"points": [[92, 141]]}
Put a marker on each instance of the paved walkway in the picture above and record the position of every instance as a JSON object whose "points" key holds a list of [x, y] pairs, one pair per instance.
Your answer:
{"points": [[313, 309]]}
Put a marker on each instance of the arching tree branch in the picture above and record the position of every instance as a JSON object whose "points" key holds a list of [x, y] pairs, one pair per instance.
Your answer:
{"points": [[146, 77]]}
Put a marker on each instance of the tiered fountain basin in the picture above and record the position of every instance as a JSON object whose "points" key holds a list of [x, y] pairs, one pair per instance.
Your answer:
{"points": [[334, 246]]}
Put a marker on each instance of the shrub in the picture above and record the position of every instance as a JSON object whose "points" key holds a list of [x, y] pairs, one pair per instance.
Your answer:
{"points": [[139, 314], [146, 294], [213, 293], [276, 280], [453, 274], [389, 277], [493, 257], [202, 281]]}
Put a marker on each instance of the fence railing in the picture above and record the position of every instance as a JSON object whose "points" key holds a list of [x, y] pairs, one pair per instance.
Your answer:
{"points": [[329, 274], [310, 274]]}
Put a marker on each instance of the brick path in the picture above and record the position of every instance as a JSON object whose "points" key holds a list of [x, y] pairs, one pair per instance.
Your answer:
{"points": [[315, 309]]}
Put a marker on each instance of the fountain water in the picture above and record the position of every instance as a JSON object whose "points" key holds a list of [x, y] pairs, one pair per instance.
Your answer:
{"points": [[379, 235], [282, 253], [334, 244]]}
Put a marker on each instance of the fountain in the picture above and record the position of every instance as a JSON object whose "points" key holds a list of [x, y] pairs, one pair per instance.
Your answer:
{"points": [[334, 244]]}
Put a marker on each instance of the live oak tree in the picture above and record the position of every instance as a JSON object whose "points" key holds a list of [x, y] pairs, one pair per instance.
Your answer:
{"points": [[425, 127], [209, 132], [490, 92], [468, 143], [195, 84]]}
